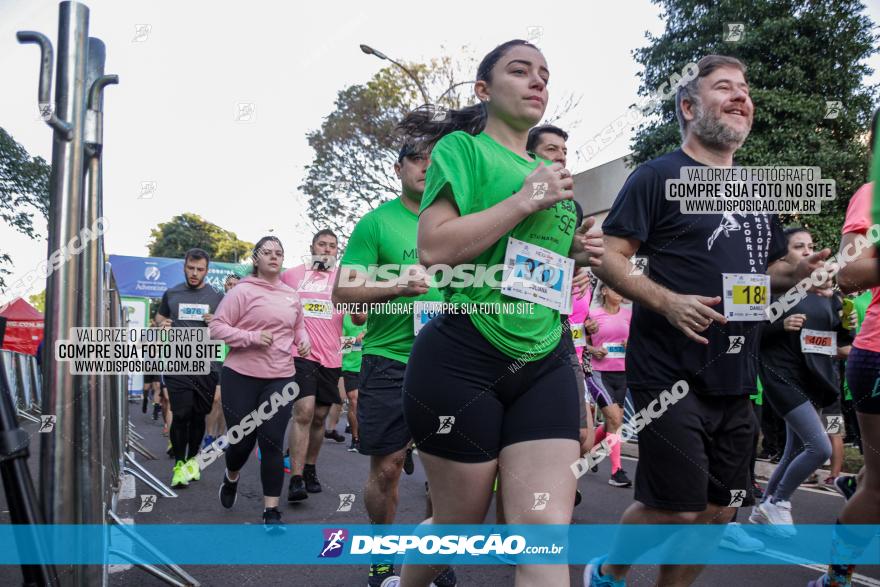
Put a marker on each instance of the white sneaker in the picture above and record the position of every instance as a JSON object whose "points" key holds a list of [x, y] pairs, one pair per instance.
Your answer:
{"points": [[735, 538], [777, 515]]}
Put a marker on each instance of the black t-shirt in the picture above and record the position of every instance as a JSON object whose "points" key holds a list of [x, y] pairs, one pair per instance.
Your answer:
{"points": [[791, 376], [687, 253], [185, 306]]}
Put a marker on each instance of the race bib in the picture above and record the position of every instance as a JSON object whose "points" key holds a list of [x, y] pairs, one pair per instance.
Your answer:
{"points": [[423, 312], [820, 342], [350, 344], [579, 335], [322, 309], [616, 350], [535, 274], [746, 295], [193, 311]]}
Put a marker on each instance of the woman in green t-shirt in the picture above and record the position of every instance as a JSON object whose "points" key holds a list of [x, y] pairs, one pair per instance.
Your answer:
{"points": [[489, 387]]}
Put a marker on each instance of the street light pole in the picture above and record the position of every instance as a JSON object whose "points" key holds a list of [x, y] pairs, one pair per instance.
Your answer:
{"points": [[370, 51]]}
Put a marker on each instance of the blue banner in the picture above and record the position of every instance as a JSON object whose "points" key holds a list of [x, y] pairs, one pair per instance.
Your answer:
{"points": [[310, 544], [149, 277]]}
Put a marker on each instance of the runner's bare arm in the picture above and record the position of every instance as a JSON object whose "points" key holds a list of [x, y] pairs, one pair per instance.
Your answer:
{"points": [[689, 313], [447, 238], [860, 273], [784, 275]]}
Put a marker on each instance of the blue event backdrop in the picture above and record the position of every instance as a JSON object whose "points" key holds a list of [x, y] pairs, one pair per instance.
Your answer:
{"points": [[149, 277]]}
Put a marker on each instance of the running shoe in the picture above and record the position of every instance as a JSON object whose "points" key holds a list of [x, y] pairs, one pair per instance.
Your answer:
{"points": [[776, 515], [208, 441], [757, 490], [380, 573], [297, 489], [619, 479], [272, 521], [776, 458], [179, 478], [408, 465], [812, 481], [157, 409], [334, 435], [764, 455], [593, 575], [193, 472], [845, 485], [735, 538], [355, 445], [228, 492], [310, 476], [446, 578]]}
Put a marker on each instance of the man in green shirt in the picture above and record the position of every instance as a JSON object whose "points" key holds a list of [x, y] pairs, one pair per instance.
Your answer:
{"points": [[394, 299]]}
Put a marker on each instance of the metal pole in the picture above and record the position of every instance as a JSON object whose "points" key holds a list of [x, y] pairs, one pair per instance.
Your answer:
{"points": [[67, 490]]}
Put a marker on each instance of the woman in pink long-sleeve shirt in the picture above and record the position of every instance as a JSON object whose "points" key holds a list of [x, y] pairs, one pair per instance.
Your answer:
{"points": [[261, 319]]}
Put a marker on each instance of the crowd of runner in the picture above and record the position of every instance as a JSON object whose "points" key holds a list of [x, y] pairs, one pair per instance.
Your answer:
{"points": [[504, 402]]}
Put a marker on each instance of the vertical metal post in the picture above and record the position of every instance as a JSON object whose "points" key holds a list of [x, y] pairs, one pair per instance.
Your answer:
{"points": [[65, 485]]}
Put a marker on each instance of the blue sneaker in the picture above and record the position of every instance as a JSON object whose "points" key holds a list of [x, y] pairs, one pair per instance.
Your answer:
{"points": [[593, 577]]}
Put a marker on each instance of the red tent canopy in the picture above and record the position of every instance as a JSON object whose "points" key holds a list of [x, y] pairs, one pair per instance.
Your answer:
{"points": [[24, 327]]}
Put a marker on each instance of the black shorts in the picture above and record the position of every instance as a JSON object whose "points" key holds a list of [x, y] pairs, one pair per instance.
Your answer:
{"points": [[464, 400], [696, 452], [608, 387], [381, 425], [351, 380], [192, 391], [862, 373], [315, 379]]}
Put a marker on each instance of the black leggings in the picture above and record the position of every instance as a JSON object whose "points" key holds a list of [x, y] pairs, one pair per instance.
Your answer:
{"points": [[242, 394]]}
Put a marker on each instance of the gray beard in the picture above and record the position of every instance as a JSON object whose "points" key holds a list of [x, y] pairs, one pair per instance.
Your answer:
{"points": [[714, 133]]}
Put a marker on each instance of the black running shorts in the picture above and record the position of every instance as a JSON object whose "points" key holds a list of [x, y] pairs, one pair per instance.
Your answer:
{"points": [[696, 452], [464, 400]]}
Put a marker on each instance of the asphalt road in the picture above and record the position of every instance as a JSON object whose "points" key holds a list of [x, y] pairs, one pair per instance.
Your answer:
{"points": [[344, 472]]}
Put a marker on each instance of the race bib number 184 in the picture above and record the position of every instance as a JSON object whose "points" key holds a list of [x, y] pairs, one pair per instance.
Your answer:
{"points": [[746, 295]]}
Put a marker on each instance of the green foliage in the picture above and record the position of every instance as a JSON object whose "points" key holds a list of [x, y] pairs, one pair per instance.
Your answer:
{"points": [[24, 189], [174, 238], [38, 301], [799, 54]]}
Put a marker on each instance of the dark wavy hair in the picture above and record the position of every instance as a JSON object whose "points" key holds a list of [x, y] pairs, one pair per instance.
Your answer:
{"points": [[422, 124], [259, 246]]}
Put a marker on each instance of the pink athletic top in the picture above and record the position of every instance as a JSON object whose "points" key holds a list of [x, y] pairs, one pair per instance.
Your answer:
{"points": [[250, 307], [613, 330], [580, 311], [858, 220], [323, 322]]}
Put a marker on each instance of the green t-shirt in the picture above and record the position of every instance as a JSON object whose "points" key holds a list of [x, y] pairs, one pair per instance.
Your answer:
{"points": [[476, 172], [387, 236], [351, 361]]}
